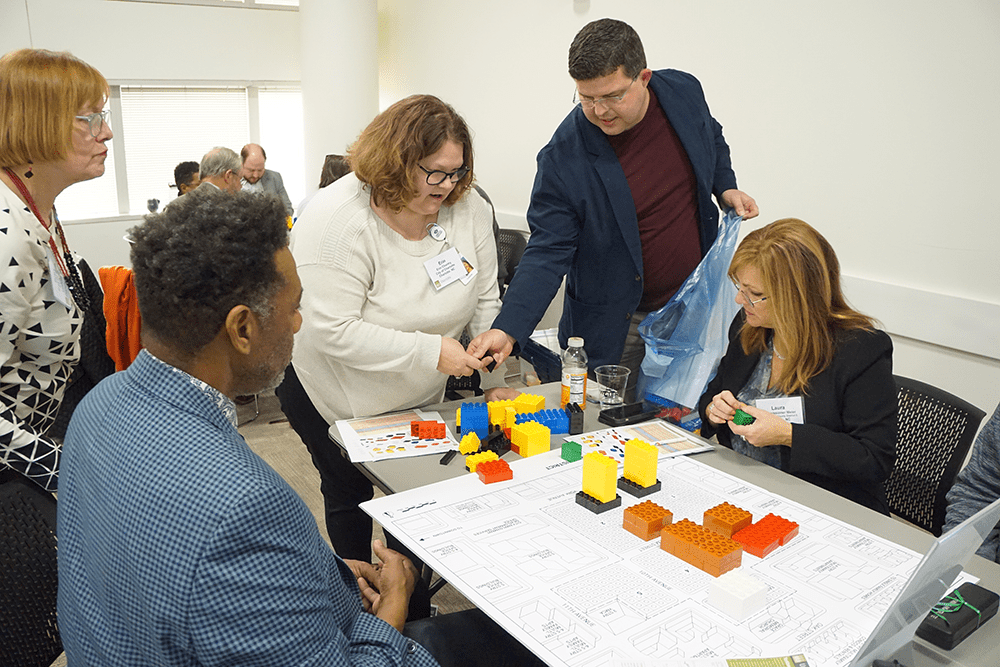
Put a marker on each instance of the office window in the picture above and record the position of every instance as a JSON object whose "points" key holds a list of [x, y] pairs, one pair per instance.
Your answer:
{"points": [[281, 133], [165, 126]]}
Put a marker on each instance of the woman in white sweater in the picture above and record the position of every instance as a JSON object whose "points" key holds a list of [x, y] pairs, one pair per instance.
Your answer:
{"points": [[382, 256]]}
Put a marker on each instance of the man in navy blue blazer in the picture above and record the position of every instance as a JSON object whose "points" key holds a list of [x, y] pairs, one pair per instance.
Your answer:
{"points": [[622, 201]]}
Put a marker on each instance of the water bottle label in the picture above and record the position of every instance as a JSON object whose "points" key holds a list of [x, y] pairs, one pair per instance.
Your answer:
{"points": [[574, 388]]}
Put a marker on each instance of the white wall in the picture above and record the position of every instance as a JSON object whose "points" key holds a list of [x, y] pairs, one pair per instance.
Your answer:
{"points": [[875, 122]]}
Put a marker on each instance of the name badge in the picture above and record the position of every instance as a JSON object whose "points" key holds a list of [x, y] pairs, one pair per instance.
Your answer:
{"points": [[789, 408], [59, 287], [446, 268]]}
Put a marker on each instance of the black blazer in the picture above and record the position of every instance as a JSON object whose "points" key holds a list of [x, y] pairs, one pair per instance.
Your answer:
{"points": [[848, 443]]}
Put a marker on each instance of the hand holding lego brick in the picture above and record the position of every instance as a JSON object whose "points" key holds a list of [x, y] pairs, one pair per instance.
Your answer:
{"points": [[454, 360], [722, 408], [494, 342], [767, 428]]}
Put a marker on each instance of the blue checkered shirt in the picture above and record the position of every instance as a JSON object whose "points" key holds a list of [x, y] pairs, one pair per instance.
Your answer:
{"points": [[179, 546]]}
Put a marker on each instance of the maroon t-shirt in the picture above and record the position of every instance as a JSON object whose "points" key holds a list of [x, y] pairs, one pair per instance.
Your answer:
{"points": [[666, 202]]}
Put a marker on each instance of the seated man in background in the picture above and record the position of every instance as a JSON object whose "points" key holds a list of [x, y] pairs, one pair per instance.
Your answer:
{"points": [[978, 485], [220, 170], [178, 544], [258, 179], [186, 177]]}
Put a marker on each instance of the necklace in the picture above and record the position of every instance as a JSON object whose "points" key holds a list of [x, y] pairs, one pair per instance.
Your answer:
{"points": [[67, 267]]}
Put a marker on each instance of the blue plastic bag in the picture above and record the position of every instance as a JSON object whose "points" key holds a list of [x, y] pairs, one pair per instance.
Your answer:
{"points": [[688, 336]]}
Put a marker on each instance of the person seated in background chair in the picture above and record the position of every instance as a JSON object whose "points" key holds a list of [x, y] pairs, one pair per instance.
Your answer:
{"points": [[260, 180], [179, 545], [379, 335], [798, 337], [335, 167], [978, 485], [186, 177], [220, 170]]}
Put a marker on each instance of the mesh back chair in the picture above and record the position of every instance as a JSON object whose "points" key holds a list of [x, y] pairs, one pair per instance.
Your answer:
{"points": [[935, 432], [28, 577], [510, 244]]}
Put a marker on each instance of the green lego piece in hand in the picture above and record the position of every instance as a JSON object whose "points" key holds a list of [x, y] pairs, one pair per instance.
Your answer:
{"points": [[742, 418]]}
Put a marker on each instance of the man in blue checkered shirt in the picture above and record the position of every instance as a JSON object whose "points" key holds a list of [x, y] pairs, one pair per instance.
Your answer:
{"points": [[177, 544]]}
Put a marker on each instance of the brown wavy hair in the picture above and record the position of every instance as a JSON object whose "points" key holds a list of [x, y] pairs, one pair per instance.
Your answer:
{"points": [[385, 156], [40, 94], [801, 279]]}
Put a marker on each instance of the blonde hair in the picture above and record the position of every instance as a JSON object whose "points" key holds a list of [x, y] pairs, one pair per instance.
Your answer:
{"points": [[800, 276], [40, 93], [385, 156]]}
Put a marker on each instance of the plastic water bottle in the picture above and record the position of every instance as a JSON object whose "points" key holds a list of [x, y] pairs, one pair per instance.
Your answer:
{"points": [[574, 374]]}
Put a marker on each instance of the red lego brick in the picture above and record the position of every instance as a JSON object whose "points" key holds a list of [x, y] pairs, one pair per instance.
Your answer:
{"points": [[427, 429], [646, 519], [766, 535], [494, 471], [726, 519]]}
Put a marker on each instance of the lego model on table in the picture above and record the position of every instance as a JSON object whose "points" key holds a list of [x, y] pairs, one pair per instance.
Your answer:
{"points": [[469, 444], [571, 451], [766, 535], [726, 519], [529, 403], [599, 473], [575, 414], [473, 460], [639, 477], [473, 418], [737, 594], [557, 421], [494, 471], [646, 519], [706, 550], [530, 438]]}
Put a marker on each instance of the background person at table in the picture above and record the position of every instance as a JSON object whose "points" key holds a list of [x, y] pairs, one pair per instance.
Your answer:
{"points": [[622, 201], [978, 485], [220, 171], [797, 336], [378, 336], [258, 179], [54, 135], [186, 177]]}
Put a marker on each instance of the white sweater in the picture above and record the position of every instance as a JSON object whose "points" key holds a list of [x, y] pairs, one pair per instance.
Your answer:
{"points": [[372, 322]]}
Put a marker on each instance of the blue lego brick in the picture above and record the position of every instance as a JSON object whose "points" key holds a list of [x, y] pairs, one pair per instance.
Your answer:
{"points": [[556, 420], [475, 419]]}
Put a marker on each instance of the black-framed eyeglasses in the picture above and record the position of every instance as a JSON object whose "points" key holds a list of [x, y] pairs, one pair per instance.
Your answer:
{"points": [[436, 177], [746, 296], [97, 121], [606, 101]]}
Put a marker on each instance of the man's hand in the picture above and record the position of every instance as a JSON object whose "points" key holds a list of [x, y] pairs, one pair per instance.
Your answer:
{"points": [[454, 360], [741, 202], [497, 343], [368, 578], [396, 578], [500, 394]]}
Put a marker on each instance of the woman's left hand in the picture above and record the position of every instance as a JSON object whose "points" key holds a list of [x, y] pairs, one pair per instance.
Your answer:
{"points": [[767, 428], [501, 394]]}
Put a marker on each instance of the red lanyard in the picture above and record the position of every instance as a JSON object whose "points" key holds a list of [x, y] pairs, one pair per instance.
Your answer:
{"points": [[34, 209]]}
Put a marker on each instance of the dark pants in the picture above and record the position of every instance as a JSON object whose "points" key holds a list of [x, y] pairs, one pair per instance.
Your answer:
{"points": [[469, 638], [343, 486]]}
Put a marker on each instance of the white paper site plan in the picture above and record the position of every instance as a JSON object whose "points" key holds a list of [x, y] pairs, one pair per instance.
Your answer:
{"points": [[579, 590]]}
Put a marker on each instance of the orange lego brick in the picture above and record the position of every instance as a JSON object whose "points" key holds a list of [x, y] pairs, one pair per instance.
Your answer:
{"points": [[766, 535], [726, 519], [494, 471], [472, 461], [646, 519], [706, 550], [427, 429]]}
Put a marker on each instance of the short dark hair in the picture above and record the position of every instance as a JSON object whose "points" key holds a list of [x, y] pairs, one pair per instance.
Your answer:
{"points": [[602, 46], [183, 173], [202, 256]]}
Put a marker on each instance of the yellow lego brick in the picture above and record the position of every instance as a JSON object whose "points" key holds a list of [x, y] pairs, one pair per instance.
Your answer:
{"points": [[458, 419], [498, 411], [475, 459], [470, 444], [600, 473], [510, 417], [531, 438], [640, 462], [529, 403]]}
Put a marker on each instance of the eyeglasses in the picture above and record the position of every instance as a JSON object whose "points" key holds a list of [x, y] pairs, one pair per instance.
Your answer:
{"points": [[97, 121], [606, 101], [746, 296], [436, 177]]}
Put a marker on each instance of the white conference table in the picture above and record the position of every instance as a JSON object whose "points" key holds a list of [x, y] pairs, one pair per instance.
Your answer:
{"points": [[979, 650]]}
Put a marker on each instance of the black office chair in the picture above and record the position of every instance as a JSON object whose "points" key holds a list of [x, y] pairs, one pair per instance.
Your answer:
{"points": [[29, 636], [936, 430], [510, 246]]}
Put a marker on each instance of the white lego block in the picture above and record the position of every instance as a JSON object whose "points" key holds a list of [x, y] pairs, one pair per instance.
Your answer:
{"points": [[737, 594]]}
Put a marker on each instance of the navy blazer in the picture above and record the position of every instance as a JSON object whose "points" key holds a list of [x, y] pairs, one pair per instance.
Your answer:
{"points": [[584, 226], [847, 444]]}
